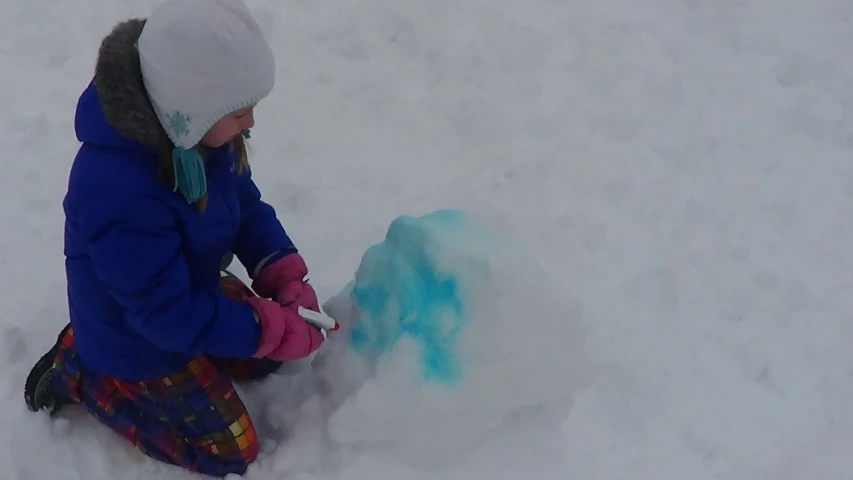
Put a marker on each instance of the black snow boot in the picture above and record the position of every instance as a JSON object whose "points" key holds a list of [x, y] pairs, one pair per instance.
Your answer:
{"points": [[38, 392]]}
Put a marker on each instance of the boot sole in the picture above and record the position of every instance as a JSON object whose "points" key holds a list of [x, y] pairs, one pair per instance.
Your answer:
{"points": [[38, 380], [35, 386]]}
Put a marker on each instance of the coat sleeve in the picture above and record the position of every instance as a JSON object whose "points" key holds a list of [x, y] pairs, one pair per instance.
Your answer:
{"points": [[135, 249], [261, 236]]}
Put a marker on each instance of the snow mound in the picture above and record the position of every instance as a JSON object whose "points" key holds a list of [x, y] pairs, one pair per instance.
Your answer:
{"points": [[448, 329]]}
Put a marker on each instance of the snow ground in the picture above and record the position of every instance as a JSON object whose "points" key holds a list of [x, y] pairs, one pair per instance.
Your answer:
{"points": [[683, 167]]}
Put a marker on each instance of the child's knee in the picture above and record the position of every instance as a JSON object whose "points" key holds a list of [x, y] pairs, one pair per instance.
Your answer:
{"points": [[236, 451], [251, 451], [232, 466]]}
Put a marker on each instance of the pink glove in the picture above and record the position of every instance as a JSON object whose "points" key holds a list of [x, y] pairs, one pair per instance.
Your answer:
{"points": [[284, 281], [284, 334]]}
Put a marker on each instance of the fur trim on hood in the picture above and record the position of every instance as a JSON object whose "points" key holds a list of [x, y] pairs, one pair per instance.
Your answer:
{"points": [[118, 81]]}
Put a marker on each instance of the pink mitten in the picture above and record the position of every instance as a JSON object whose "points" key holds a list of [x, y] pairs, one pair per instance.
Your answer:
{"points": [[284, 334], [284, 281]]}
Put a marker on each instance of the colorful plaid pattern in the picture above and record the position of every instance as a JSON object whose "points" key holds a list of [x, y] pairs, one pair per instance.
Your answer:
{"points": [[192, 418]]}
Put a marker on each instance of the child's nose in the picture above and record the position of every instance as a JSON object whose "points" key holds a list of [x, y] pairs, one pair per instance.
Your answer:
{"points": [[248, 121]]}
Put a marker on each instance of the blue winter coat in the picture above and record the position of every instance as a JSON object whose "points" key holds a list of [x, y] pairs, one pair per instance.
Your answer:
{"points": [[143, 265]]}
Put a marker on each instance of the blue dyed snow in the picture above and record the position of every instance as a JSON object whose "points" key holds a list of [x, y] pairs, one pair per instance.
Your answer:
{"points": [[400, 292]]}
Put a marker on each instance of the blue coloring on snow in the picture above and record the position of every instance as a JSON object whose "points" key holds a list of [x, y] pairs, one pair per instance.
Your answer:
{"points": [[400, 291]]}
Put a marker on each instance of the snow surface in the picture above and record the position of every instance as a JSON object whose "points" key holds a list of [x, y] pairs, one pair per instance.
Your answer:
{"points": [[681, 168]]}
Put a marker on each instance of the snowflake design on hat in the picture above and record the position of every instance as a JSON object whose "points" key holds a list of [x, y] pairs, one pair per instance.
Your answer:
{"points": [[178, 124]]}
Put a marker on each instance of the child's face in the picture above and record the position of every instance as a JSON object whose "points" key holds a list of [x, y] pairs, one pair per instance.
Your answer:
{"points": [[229, 127]]}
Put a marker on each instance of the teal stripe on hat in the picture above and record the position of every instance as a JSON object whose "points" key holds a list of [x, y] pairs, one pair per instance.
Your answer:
{"points": [[190, 177]]}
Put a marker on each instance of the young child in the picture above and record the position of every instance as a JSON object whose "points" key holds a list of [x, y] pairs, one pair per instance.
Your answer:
{"points": [[159, 194]]}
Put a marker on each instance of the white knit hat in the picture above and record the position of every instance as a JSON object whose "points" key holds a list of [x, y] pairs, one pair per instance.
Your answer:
{"points": [[201, 60]]}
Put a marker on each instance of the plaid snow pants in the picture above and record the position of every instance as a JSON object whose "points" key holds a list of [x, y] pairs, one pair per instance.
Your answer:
{"points": [[192, 418]]}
